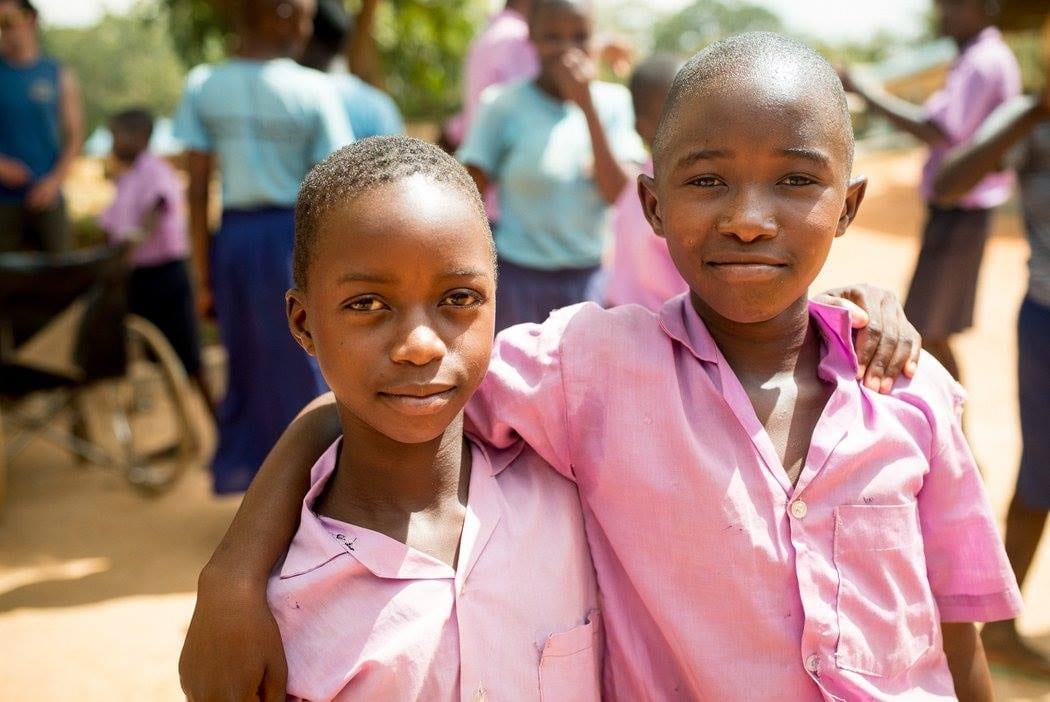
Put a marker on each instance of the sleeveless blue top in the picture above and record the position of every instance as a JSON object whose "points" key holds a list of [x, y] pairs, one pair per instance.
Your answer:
{"points": [[29, 118]]}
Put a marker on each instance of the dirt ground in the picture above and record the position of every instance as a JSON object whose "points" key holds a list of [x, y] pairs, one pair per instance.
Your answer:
{"points": [[97, 582]]}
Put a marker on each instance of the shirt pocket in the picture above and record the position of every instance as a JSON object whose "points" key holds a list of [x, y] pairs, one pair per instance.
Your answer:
{"points": [[570, 664], [886, 614]]}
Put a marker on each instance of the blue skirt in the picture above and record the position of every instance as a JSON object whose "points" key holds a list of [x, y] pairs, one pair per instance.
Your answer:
{"points": [[530, 294], [270, 377]]}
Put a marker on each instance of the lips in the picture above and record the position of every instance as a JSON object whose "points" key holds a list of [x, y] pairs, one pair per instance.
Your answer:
{"points": [[419, 399], [738, 268]]}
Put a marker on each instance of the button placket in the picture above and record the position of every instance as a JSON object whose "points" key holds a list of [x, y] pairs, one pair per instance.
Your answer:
{"points": [[798, 509]]}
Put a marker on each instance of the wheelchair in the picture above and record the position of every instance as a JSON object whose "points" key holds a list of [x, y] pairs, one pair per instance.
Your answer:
{"points": [[69, 350]]}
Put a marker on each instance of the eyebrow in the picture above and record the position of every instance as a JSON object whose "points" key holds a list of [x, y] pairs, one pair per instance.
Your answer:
{"points": [[703, 155], [353, 277], [814, 155]]}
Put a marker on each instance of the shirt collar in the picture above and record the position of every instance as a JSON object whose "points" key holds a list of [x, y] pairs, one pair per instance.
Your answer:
{"points": [[320, 539], [988, 34], [680, 321]]}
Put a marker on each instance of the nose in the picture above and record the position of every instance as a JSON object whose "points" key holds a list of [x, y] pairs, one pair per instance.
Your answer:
{"points": [[749, 216], [420, 343]]}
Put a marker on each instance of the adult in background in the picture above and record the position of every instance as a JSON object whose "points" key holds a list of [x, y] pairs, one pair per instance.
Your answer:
{"points": [[41, 132], [371, 111], [1017, 135], [985, 75], [264, 120]]}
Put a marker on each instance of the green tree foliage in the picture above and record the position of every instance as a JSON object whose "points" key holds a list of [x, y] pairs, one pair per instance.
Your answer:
{"points": [[422, 44], [705, 21], [119, 62]]}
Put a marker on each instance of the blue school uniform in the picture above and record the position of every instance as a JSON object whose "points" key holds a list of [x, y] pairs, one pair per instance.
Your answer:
{"points": [[267, 123], [553, 219]]}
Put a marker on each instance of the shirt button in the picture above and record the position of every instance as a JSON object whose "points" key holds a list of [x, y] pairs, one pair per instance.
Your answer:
{"points": [[813, 663], [799, 509]]}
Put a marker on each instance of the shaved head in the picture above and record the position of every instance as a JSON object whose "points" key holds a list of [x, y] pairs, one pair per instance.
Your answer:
{"points": [[756, 65]]}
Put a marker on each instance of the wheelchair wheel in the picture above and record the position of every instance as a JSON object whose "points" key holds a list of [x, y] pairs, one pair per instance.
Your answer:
{"points": [[152, 420]]}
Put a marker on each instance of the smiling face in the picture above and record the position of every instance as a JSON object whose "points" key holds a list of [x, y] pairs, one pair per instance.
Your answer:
{"points": [[751, 188], [399, 308]]}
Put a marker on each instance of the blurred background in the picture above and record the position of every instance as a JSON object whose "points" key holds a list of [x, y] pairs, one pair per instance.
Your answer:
{"points": [[97, 576]]}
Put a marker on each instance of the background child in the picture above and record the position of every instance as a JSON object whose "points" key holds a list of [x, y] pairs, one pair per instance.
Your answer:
{"points": [[1017, 135], [698, 510], [642, 271], [424, 567], [944, 286], [554, 146], [148, 208], [264, 121]]}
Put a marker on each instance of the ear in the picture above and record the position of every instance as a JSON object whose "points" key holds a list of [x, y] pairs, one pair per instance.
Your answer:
{"points": [[854, 196], [650, 205], [298, 324]]}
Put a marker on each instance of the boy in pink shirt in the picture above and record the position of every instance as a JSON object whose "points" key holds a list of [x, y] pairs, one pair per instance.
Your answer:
{"points": [[642, 272], [425, 566], [762, 524]]}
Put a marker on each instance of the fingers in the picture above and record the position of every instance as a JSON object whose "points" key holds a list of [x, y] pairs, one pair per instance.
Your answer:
{"points": [[889, 346]]}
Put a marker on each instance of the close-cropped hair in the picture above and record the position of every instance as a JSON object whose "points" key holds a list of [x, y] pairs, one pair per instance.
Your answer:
{"points": [[361, 167], [138, 120], [729, 61]]}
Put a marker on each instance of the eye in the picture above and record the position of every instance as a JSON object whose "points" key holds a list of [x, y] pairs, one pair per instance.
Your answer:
{"points": [[706, 181], [462, 298], [366, 303], [798, 180]]}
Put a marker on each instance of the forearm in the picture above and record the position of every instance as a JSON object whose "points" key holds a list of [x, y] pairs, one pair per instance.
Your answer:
{"points": [[200, 168], [609, 175], [72, 127], [901, 113], [269, 514], [966, 661], [966, 166]]}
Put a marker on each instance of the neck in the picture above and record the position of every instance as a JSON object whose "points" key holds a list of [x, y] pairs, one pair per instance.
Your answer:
{"points": [[549, 86], [963, 42], [257, 48], [23, 55], [762, 349], [381, 474]]}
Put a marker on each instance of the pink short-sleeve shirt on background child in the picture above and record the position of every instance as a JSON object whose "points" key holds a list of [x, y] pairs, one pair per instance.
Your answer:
{"points": [[720, 579], [642, 272], [982, 77], [149, 179], [365, 617]]}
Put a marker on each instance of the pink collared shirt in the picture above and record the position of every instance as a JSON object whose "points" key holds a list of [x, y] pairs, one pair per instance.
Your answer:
{"points": [[982, 77], [365, 617], [139, 188], [642, 272], [719, 579]]}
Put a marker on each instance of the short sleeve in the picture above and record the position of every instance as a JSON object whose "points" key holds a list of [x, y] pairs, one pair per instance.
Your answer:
{"points": [[388, 116], [187, 126], [624, 141], [523, 394], [333, 130], [966, 562], [968, 97], [483, 145]]}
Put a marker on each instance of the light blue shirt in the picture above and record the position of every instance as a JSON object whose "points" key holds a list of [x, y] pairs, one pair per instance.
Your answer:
{"points": [[537, 149], [372, 112], [267, 122]]}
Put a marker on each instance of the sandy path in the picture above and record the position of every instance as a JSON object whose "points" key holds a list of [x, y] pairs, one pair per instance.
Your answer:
{"points": [[96, 583]]}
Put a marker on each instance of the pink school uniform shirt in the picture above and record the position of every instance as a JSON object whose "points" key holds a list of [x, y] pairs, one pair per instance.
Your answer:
{"points": [[719, 579], [642, 272], [149, 179], [365, 617], [982, 77]]}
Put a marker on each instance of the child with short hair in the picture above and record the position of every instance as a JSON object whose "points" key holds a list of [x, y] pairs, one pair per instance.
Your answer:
{"points": [[642, 272], [148, 209], [425, 566], [763, 525]]}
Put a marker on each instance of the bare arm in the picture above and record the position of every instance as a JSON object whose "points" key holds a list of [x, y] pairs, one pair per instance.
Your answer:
{"points": [[969, 668], [610, 176], [233, 649], [966, 165], [46, 190], [481, 178], [901, 113], [200, 165]]}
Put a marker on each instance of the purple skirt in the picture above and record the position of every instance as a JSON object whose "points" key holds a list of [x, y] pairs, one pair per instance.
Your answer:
{"points": [[530, 294]]}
